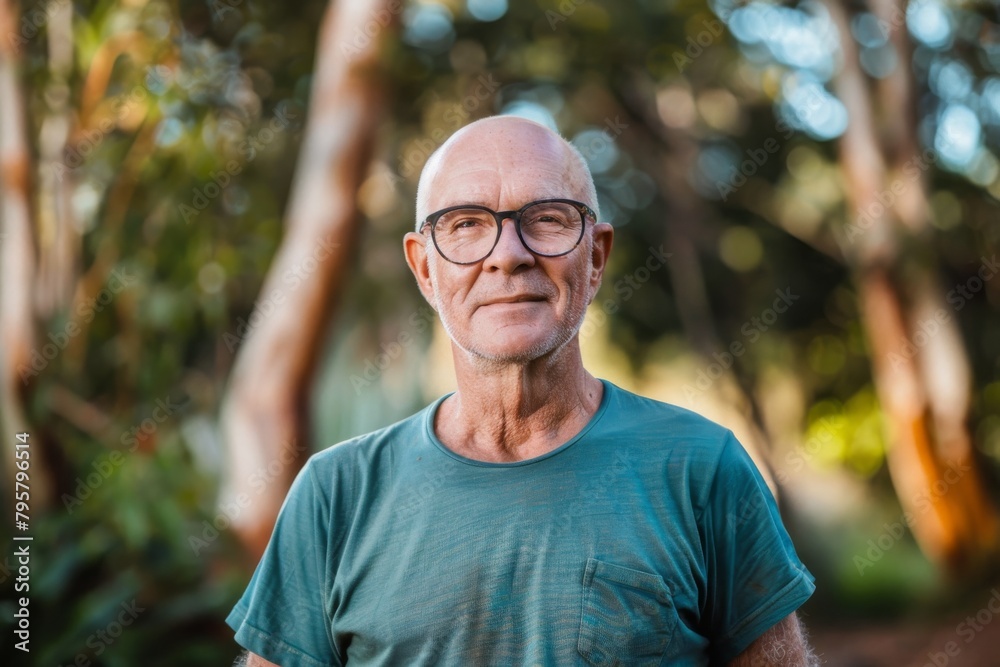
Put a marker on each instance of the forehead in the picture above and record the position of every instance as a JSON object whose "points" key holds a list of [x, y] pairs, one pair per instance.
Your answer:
{"points": [[500, 170]]}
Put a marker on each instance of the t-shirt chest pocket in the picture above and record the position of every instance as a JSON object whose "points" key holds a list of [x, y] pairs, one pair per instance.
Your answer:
{"points": [[628, 616]]}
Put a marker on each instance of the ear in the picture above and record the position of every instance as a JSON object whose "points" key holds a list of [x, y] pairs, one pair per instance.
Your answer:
{"points": [[415, 251], [604, 235]]}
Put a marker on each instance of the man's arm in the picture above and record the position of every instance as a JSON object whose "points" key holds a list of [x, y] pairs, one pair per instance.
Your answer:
{"points": [[784, 645], [248, 659]]}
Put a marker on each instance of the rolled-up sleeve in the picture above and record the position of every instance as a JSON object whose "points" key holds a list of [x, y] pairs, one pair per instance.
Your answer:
{"points": [[755, 578], [282, 615]]}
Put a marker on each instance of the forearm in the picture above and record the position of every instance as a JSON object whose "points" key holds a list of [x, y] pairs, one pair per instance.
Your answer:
{"points": [[784, 645], [248, 659]]}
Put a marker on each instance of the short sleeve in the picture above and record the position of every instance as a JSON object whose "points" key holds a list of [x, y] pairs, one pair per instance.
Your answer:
{"points": [[282, 616], [755, 579]]}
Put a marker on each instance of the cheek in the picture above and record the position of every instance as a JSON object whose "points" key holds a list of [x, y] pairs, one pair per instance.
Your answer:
{"points": [[577, 284], [451, 287]]}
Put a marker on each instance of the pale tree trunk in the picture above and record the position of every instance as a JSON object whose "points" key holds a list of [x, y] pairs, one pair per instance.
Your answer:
{"points": [[263, 417], [58, 235], [17, 259], [921, 371]]}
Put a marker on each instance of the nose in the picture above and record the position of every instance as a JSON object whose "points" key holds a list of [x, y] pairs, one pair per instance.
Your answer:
{"points": [[509, 253]]}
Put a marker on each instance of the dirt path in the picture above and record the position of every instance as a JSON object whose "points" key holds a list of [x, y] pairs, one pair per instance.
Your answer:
{"points": [[955, 642]]}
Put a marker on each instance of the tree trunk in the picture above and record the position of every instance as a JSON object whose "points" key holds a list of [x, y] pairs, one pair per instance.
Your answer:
{"points": [[58, 238], [921, 376], [263, 416], [19, 259]]}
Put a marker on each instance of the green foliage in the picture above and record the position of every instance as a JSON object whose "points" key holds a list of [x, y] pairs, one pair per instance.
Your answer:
{"points": [[848, 434], [184, 195]]}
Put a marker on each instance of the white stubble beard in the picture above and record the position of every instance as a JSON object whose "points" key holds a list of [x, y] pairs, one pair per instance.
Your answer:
{"points": [[552, 343]]}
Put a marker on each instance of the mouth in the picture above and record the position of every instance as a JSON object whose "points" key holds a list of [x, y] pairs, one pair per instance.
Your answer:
{"points": [[527, 298]]}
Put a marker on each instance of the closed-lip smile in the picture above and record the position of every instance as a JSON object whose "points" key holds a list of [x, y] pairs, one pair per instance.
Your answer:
{"points": [[524, 298]]}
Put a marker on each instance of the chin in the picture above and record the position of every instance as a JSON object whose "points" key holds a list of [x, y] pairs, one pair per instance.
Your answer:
{"points": [[520, 351], [506, 342]]}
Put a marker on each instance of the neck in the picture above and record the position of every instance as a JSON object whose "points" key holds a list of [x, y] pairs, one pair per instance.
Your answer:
{"points": [[505, 412]]}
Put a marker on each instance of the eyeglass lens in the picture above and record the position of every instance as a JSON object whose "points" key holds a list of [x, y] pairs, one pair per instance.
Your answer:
{"points": [[469, 234]]}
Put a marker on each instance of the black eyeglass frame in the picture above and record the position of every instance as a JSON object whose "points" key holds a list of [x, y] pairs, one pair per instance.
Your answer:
{"points": [[500, 216]]}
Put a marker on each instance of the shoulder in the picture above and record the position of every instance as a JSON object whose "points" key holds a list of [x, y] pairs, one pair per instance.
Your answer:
{"points": [[341, 480], [688, 448], [360, 455], [664, 423]]}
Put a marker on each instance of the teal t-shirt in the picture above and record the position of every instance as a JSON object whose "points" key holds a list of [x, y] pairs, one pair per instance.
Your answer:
{"points": [[649, 538]]}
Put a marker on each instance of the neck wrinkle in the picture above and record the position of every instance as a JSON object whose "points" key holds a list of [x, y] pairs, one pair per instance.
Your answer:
{"points": [[514, 412]]}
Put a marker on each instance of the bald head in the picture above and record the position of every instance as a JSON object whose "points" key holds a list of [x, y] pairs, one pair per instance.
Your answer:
{"points": [[495, 148]]}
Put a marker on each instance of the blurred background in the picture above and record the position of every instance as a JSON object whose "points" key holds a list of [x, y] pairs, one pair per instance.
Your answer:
{"points": [[201, 280]]}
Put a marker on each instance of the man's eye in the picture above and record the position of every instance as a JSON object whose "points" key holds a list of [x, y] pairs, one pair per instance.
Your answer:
{"points": [[546, 220], [465, 225]]}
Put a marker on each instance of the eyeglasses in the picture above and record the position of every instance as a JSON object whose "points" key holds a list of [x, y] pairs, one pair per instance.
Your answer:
{"points": [[467, 234]]}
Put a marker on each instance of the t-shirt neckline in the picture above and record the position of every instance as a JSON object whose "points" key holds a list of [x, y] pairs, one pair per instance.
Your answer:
{"points": [[432, 409]]}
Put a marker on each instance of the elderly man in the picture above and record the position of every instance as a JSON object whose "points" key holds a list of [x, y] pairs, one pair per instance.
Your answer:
{"points": [[537, 515]]}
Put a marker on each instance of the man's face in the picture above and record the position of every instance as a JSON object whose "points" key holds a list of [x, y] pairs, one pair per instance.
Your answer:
{"points": [[513, 306]]}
